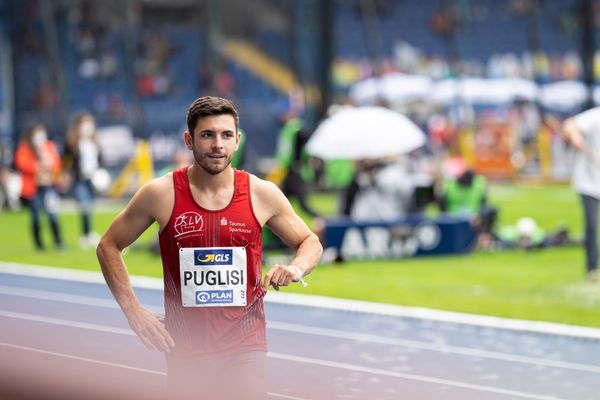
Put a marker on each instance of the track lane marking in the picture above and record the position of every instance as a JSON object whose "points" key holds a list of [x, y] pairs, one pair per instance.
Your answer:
{"points": [[306, 360], [117, 365], [310, 330], [442, 348], [85, 359], [67, 298], [413, 377], [329, 303], [65, 322]]}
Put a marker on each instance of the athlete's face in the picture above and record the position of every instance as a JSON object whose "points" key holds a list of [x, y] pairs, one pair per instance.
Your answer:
{"points": [[213, 142]]}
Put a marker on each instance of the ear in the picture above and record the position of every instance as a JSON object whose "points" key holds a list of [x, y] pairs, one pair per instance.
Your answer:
{"points": [[238, 138], [189, 142]]}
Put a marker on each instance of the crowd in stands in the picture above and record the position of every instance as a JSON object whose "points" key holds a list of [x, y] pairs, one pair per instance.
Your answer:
{"points": [[473, 38], [540, 66]]}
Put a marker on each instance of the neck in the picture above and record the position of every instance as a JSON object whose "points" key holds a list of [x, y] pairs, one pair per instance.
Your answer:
{"points": [[203, 180]]}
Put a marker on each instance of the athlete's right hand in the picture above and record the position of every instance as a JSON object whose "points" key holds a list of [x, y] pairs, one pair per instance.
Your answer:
{"points": [[151, 330]]}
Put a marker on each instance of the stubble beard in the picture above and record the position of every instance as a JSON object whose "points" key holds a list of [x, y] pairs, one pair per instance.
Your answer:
{"points": [[201, 160]]}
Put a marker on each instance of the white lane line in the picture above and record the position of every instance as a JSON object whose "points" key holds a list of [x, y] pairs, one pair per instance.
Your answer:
{"points": [[85, 359], [65, 322], [329, 303], [57, 296], [414, 377], [442, 348], [288, 357], [123, 366], [285, 396], [72, 275], [333, 333], [428, 314], [66, 298]]}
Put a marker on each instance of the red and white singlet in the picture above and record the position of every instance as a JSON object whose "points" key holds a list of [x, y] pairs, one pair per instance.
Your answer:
{"points": [[212, 270]]}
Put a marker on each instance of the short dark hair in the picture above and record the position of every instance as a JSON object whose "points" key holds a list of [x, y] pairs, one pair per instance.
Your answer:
{"points": [[208, 106]]}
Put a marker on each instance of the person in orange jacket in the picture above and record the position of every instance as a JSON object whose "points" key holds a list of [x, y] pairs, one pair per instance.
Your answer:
{"points": [[39, 163]]}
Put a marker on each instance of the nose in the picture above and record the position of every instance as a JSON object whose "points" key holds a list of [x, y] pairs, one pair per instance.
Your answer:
{"points": [[218, 142]]}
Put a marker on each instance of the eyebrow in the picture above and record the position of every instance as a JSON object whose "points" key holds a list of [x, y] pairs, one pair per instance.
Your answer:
{"points": [[212, 131]]}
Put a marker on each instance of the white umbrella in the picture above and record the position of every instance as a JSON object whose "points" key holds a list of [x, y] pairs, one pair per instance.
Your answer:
{"points": [[364, 133]]}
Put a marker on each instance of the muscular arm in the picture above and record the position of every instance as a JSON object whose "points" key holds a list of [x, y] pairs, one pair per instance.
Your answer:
{"points": [[272, 207], [125, 229]]}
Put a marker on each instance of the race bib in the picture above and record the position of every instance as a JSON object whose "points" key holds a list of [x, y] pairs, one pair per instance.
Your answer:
{"points": [[213, 276]]}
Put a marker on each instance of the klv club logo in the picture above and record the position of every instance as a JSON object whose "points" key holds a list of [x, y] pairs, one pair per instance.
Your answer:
{"points": [[188, 222], [213, 257]]}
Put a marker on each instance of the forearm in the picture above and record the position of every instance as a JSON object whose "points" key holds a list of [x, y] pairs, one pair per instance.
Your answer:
{"points": [[572, 133], [308, 254], [116, 276]]}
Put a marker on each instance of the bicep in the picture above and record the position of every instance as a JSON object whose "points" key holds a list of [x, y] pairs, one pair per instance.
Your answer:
{"points": [[130, 223], [286, 224]]}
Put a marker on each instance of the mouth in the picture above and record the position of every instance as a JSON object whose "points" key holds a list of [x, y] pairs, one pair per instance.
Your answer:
{"points": [[216, 156]]}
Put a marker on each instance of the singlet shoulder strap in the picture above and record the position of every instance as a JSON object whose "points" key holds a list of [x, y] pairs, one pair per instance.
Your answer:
{"points": [[243, 192], [180, 183], [242, 183]]}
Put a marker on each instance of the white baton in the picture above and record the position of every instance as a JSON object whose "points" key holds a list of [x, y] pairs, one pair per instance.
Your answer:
{"points": [[304, 284]]}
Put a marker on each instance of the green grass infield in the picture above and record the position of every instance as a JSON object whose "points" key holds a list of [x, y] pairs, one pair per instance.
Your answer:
{"points": [[541, 285]]}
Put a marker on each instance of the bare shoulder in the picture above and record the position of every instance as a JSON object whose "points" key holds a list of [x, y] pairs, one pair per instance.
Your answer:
{"points": [[156, 198], [262, 187], [267, 198], [155, 188]]}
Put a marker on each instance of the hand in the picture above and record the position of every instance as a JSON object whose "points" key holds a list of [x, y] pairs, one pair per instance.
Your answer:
{"points": [[577, 142], [150, 328], [281, 275]]}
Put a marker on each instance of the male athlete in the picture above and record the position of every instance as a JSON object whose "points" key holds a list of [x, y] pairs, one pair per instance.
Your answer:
{"points": [[210, 217]]}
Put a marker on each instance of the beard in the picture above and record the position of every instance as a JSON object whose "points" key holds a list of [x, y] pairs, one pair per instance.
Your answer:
{"points": [[211, 165]]}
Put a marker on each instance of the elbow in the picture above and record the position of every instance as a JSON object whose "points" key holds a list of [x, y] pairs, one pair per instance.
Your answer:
{"points": [[105, 246], [100, 249], [317, 245]]}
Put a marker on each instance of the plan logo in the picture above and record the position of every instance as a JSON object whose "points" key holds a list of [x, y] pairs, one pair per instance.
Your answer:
{"points": [[214, 297], [213, 257], [188, 222]]}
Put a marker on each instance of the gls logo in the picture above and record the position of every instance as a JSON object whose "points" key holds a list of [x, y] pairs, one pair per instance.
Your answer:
{"points": [[213, 257]]}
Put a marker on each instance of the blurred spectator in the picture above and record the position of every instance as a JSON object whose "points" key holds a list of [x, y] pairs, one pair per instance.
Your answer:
{"points": [[224, 84], [294, 161], [541, 66], [465, 194], [91, 42], [38, 162], [383, 190], [525, 120], [583, 132], [10, 182], [82, 160], [442, 134], [362, 170], [154, 80], [527, 235]]}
